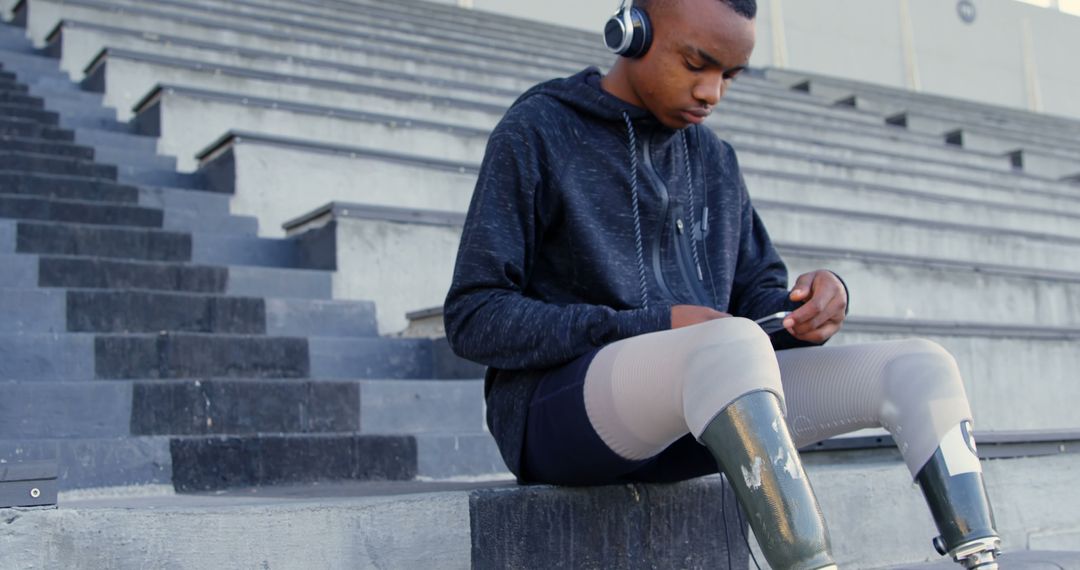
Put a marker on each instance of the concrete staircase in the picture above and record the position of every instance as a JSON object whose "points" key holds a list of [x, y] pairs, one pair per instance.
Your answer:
{"points": [[204, 212]]}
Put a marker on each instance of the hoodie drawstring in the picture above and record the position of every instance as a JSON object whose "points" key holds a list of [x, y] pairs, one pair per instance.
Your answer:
{"points": [[632, 136]]}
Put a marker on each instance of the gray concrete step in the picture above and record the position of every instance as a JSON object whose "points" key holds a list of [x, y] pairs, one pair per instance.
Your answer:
{"points": [[16, 161], [131, 73], [65, 187], [344, 26], [76, 39], [108, 409], [170, 113], [97, 241], [92, 212], [46, 14], [489, 524], [98, 273]]}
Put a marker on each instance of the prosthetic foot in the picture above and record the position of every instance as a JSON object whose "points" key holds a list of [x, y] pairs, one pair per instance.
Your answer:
{"points": [[953, 486], [752, 446]]}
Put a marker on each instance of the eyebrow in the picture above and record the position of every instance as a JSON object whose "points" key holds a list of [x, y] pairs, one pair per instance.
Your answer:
{"points": [[712, 60]]}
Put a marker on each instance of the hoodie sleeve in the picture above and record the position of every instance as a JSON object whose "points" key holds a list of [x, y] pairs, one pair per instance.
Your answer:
{"points": [[488, 317], [760, 287]]}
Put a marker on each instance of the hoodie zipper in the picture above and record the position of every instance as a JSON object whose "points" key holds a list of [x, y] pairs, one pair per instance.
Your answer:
{"points": [[681, 247]]}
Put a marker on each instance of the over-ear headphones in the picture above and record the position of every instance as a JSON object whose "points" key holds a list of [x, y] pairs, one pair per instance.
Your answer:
{"points": [[629, 32]]}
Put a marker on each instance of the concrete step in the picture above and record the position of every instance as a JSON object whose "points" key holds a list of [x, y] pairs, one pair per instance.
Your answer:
{"points": [[15, 161], [140, 174], [429, 31], [765, 184], [109, 409], [207, 203], [76, 40], [170, 113], [47, 14], [26, 128], [146, 311], [238, 249], [65, 187], [99, 273], [181, 355], [495, 525], [349, 31], [41, 116], [195, 222], [98, 241], [37, 146], [78, 211], [16, 98], [912, 236], [902, 100], [117, 141], [239, 167]]}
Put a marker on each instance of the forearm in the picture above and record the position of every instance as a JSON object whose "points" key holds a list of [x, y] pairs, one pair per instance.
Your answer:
{"points": [[507, 330]]}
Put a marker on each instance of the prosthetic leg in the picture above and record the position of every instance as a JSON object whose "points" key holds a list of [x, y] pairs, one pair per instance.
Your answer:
{"points": [[953, 485], [752, 446]]}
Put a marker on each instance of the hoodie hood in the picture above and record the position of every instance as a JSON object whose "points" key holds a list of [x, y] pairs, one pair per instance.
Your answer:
{"points": [[583, 93]]}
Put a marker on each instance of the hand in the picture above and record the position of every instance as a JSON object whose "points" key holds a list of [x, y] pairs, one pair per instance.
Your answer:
{"points": [[687, 315], [824, 305]]}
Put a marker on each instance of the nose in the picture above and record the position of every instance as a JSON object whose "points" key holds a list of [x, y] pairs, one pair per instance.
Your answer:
{"points": [[710, 89]]}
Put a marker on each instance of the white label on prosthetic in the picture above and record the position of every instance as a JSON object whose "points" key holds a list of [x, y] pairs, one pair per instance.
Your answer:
{"points": [[959, 458]]}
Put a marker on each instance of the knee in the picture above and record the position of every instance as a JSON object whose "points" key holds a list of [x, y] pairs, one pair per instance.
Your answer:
{"points": [[922, 366], [734, 331]]}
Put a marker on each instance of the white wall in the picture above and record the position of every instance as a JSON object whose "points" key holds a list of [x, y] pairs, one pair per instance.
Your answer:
{"points": [[988, 60]]}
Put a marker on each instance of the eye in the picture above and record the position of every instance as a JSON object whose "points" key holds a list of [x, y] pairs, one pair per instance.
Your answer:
{"points": [[692, 67]]}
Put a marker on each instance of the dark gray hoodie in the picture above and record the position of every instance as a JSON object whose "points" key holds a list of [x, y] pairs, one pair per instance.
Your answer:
{"points": [[555, 259]]}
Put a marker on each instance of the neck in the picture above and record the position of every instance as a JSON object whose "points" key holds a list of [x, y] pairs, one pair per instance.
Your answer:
{"points": [[617, 83]]}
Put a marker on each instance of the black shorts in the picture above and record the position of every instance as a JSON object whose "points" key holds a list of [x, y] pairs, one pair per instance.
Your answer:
{"points": [[562, 448]]}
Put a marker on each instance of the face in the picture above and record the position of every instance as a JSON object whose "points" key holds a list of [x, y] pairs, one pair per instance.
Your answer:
{"points": [[699, 47]]}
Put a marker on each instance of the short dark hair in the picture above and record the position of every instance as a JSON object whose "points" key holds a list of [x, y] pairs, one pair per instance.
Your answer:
{"points": [[744, 8]]}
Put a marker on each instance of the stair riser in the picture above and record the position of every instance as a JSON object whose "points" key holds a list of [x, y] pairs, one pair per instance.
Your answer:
{"points": [[221, 463], [67, 188], [126, 357], [80, 213], [102, 242], [107, 274], [56, 166], [133, 312], [59, 150]]}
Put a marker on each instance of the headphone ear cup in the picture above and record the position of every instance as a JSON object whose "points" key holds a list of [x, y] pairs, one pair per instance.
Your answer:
{"points": [[642, 34], [615, 33]]}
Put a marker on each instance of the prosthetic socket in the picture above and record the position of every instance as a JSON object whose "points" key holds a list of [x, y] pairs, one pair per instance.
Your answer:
{"points": [[753, 448], [953, 485]]}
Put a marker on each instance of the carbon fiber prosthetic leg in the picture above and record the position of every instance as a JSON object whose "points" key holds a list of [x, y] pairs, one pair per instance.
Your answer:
{"points": [[953, 485], [753, 448]]}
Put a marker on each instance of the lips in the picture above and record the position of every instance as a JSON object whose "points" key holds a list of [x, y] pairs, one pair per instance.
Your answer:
{"points": [[695, 116]]}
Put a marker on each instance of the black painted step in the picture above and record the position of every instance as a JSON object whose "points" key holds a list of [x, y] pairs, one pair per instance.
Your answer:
{"points": [[76, 211], [37, 115], [66, 187], [209, 464], [244, 407], [12, 84], [8, 76], [99, 241], [183, 355], [14, 126], [23, 99], [91, 273], [33, 162], [146, 311], [37, 146]]}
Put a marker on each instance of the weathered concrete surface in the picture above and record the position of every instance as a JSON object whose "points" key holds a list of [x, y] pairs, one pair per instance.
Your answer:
{"points": [[372, 532]]}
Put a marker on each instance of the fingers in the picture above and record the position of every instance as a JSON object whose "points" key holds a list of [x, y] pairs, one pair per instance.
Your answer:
{"points": [[822, 314], [803, 286]]}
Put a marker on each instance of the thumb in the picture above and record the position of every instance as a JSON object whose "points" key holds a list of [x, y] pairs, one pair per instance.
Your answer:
{"points": [[801, 290]]}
